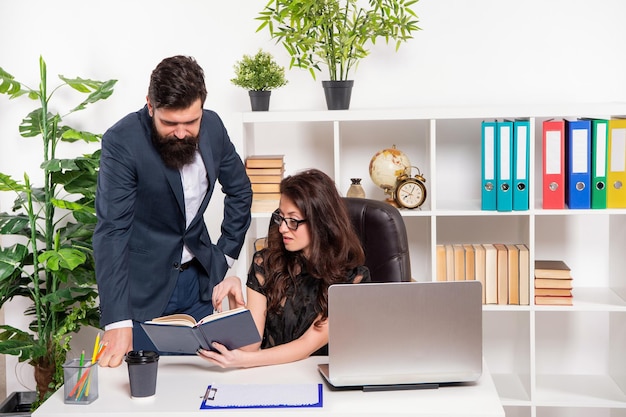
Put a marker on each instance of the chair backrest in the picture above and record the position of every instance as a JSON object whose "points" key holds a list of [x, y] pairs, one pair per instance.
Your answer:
{"points": [[383, 236]]}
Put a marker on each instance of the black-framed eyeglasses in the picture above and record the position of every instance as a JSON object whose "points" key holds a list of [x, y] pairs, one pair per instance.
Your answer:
{"points": [[291, 223]]}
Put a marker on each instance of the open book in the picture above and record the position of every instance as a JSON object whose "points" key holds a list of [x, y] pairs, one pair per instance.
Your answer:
{"points": [[180, 333]]}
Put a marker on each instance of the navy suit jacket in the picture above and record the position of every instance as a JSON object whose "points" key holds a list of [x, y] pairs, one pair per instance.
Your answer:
{"points": [[140, 207]]}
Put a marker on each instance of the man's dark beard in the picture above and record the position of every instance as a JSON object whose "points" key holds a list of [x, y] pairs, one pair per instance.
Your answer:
{"points": [[175, 152]]}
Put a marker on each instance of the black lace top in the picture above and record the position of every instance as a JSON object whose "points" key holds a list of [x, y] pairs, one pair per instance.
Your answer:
{"points": [[299, 309]]}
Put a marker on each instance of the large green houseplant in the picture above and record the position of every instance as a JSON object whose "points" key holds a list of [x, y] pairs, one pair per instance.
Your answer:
{"points": [[336, 33], [46, 253]]}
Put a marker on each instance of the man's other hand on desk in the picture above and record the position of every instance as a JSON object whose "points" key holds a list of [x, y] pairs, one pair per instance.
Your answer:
{"points": [[118, 342]]}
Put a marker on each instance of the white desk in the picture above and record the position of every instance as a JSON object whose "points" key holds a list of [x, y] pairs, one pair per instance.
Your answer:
{"points": [[182, 382]]}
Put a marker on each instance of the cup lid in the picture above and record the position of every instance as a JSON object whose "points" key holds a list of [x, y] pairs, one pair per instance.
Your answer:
{"points": [[142, 356]]}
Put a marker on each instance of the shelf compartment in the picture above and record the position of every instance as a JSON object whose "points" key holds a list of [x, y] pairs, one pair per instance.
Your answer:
{"points": [[593, 248], [590, 299], [507, 350], [360, 141], [483, 229], [579, 358], [310, 144], [597, 391], [418, 230], [458, 163]]}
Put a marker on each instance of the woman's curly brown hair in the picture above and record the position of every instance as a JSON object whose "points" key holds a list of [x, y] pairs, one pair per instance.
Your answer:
{"points": [[334, 250]]}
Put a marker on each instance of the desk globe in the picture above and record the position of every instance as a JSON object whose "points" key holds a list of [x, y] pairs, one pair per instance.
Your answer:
{"points": [[385, 168]]}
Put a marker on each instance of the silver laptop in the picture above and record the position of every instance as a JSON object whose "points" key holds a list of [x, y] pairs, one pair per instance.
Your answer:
{"points": [[400, 334]]}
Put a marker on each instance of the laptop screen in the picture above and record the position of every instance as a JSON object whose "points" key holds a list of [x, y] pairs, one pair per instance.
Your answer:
{"points": [[405, 333]]}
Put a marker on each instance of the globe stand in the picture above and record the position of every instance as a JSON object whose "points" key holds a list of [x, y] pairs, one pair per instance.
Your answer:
{"points": [[389, 199], [391, 202]]}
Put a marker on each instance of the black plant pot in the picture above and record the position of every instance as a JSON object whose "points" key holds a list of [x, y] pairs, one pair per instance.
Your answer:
{"points": [[338, 94], [260, 100], [18, 404]]}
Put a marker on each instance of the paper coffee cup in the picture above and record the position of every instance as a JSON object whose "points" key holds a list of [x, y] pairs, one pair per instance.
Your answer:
{"points": [[142, 372]]}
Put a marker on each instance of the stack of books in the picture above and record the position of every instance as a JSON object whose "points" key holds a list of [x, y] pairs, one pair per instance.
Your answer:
{"points": [[503, 269], [265, 173], [553, 283]]}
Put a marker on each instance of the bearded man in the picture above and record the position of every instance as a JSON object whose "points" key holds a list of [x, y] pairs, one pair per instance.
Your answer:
{"points": [[158, 170]]}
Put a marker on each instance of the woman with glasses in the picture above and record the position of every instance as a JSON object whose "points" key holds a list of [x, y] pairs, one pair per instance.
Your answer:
{"points": [[311, 245]]}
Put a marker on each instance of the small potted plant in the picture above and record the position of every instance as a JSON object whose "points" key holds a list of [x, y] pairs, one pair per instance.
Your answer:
{"points": [[259, 74]]}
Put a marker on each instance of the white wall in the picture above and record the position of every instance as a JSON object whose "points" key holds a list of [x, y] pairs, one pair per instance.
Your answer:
{"points": [[481, 51]]}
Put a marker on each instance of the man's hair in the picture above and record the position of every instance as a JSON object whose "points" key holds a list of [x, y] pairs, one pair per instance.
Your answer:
{"points": [[176, 83]]}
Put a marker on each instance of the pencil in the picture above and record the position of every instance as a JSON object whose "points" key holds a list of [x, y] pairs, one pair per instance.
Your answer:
{"points": [[96, 348], [101, 351], [81, 363], [80, 382]]}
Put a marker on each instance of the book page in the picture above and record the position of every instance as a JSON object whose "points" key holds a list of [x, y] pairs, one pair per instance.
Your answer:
{"points": [[175, 320], [187, 320], [221, 314]]}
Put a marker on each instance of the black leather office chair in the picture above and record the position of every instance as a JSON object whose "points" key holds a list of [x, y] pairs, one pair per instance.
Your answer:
{"points": [[383, 236]]}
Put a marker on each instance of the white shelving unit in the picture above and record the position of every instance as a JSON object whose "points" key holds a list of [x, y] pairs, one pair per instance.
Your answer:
{"points": [[546, 361]]}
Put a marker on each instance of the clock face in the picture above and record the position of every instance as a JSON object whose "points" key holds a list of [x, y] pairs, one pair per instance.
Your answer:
{"points": [[410, 194]]}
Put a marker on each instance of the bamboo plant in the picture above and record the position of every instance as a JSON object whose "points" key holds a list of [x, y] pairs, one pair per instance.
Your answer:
{"points": [[336, 33]]}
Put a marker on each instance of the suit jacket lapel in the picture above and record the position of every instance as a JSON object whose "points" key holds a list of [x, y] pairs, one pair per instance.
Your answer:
{"points": [[173, 178], [207, 158]]}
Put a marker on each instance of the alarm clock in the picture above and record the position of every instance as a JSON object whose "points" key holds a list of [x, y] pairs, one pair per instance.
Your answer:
{"points": [[410, 192]]}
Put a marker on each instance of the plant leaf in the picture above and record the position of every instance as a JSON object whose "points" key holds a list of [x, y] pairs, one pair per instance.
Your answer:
{"points": [[12, 224], [9, 184], [68, 296], [101, 90], [19, 343], [69, 205], [66, 258], [12, 258], [56, 165], [8, 85], [32, 125], [72, 135]]}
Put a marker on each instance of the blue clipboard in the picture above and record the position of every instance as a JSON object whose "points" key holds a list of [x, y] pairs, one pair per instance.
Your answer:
{"points": [[226, 396]]}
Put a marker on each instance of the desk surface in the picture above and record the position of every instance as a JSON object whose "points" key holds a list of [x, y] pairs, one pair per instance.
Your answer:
{"points": [[182, 382]]}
